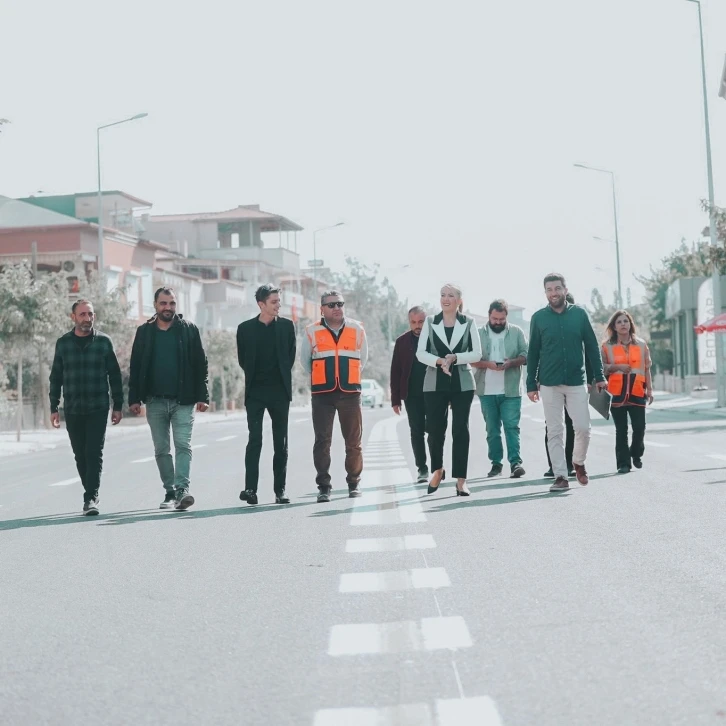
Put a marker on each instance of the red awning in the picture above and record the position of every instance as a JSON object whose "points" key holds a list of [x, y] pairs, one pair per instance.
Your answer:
{"points": [[714, 325]]}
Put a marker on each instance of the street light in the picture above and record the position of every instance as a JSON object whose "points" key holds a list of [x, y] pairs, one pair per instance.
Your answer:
{"points": [[713, 233], [100, 194], [315, 254], [615, 223]]}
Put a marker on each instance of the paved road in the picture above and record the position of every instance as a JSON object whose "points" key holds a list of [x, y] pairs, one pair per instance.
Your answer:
{"points": [[603, 606]]}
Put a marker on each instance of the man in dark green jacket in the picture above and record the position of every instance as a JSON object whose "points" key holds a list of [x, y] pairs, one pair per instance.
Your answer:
{"points": [[562, 346]]}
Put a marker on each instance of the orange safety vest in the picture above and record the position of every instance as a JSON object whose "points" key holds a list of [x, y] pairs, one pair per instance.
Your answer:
{"points": [[336, 364], [627, 388]]}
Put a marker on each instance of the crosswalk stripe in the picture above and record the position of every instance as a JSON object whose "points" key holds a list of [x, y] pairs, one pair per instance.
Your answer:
{"points": [[198, 446], [657, 445], [228, 438], [144, 460]]}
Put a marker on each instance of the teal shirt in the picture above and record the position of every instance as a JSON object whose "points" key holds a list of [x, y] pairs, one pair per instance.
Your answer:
{"points": [[563, 349], [165, 366]]}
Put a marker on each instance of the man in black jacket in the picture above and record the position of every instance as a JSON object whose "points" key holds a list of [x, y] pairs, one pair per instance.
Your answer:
{"points": [[266, 353], [83, 366], [169, 374]]}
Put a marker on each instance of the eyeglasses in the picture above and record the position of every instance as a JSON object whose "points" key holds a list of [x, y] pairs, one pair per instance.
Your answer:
{"points": [[333, 305]]}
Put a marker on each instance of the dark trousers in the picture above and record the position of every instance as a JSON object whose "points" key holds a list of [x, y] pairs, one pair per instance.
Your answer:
{"points": [[278, 407], [569, 442], [350, 416], [416, 410], [625, 452], [437, 420], [87, 432]]}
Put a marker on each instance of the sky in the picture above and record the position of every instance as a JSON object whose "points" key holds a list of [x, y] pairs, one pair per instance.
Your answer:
{"points": [[443, 134]]}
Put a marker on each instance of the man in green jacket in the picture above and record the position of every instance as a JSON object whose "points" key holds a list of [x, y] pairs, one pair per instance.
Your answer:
{"points": [[499, 386], [561, 342]]}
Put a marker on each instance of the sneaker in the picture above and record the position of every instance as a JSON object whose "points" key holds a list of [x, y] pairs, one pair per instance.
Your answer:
{"points": [[496, 470], [518, 471], [281, 498], [324, 495], [90, 509], [423, 475], [549, 474], [561, 485], [355, 493], [169, 501], [581, 474], [623, 470], [184, 500], [637, 463]]}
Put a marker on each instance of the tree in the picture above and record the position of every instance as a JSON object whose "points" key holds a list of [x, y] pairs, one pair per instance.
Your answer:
{"points": [[369, 299], [30, 309], [221, 349]]}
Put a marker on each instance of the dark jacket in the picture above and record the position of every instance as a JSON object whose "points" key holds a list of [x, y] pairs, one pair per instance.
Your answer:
{"points": [[84, 374], [404, 355], [563, 349], [247, 350], [193, 370]]}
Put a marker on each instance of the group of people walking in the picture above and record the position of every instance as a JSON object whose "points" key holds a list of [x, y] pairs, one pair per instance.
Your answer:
{"points": [[440, 364], [442, 361]]}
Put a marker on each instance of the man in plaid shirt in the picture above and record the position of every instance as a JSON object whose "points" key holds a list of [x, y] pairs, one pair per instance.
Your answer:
{"points": [[83, 367]]}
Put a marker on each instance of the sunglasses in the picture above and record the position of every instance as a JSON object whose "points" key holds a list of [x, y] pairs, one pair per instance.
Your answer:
{"points": [[334, 305]]}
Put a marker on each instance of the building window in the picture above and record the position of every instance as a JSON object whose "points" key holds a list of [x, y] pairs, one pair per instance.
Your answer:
{"points": [[147, 292], [132, 295]]}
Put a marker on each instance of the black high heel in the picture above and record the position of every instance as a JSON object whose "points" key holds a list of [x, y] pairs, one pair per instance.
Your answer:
{"points": [[431, 489], [463, 492]]}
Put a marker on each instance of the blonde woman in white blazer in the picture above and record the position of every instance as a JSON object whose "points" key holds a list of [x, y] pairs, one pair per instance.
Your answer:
{"points": [[448, 344]]}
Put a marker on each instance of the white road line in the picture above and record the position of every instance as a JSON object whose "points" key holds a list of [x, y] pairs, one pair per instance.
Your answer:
{"points": [[198, 446], [65, 482], [143, 461], [394, 581], [537, 420], [409, 514], [391, 544], [657, 444], [481, 711], [719, 457], [595, 432], [301, 420], [406, 636], [228, 438]]}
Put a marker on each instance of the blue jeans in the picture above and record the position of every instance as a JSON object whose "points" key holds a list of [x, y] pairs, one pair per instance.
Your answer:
{"points": [[498, 410], [163, 414]]}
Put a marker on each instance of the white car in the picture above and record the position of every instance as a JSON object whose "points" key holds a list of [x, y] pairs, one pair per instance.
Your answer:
{"points": [[371, 393]]}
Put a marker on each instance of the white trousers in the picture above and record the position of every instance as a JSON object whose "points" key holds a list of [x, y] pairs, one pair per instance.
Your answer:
{"points": [[554, 400]]}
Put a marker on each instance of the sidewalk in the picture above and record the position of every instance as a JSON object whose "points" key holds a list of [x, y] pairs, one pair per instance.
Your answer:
{"points": [[43, 439]]}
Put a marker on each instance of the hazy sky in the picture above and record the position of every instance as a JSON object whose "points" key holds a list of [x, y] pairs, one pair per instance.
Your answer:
{"points": [[442, 133]]}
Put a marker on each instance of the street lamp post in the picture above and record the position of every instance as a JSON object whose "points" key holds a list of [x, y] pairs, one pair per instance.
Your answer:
{"points": [[100, 193], [615, 222], [713, 232], [315, 254]]}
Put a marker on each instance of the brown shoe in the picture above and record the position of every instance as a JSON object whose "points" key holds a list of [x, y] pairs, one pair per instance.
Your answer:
{"points": [[561, 485], [581, 474]]}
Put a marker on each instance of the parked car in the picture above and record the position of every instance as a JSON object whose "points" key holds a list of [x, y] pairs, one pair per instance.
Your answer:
{"points": [[372, 393]]}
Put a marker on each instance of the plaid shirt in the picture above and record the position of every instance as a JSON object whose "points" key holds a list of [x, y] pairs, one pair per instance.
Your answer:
{"points": [[85, 374]]}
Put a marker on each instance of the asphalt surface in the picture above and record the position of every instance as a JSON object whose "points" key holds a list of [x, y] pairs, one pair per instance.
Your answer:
{"points": [[601, 606]]}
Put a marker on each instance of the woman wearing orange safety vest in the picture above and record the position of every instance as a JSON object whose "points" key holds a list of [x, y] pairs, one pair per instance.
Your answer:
{"points": [[626, 362]]}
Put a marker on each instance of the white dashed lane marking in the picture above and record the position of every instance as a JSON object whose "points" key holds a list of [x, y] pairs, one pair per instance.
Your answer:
{"points": [[718, 457], [228, 438], [144, 460], [391, 544], [199, 446], [395, 581], [66, 482], [406, 636], [480, 711]]}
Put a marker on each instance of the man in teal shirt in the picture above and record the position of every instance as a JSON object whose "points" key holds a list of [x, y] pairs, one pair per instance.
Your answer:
{"points": [[499, 386], [561, 341]]}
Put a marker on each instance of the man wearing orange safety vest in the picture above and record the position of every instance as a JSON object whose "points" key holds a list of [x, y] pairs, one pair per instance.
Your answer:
{"points": [[334, 351]]}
